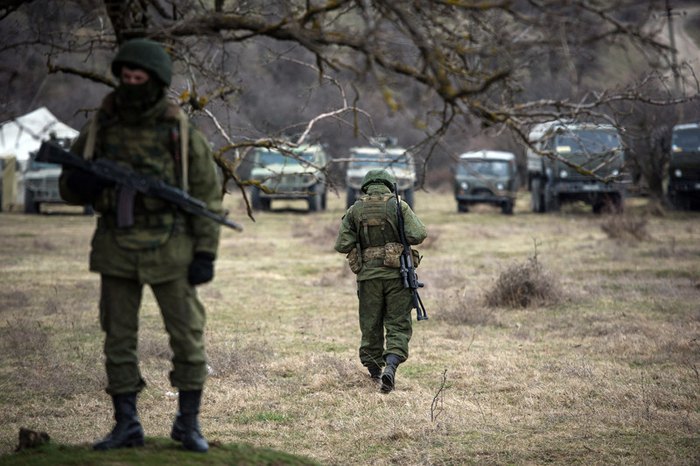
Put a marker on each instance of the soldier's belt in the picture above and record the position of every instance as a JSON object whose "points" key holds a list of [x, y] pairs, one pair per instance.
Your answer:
{"points": [[388, 255]]}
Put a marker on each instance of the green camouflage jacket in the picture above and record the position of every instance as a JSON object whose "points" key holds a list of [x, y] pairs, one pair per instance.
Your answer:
{"points": [[351, 231], [163, 240]]}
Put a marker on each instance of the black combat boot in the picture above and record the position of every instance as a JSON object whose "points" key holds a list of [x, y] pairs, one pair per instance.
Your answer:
{"points": [[186, 426], [128, 431], [374, 371], [389, 375]]}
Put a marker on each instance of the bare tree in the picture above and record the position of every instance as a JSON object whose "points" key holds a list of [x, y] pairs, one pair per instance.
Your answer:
{"points": [[435, 70]]}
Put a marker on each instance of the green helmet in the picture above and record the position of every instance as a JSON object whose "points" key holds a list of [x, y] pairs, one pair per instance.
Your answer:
{"points": [[145, 54], [378, 177]]}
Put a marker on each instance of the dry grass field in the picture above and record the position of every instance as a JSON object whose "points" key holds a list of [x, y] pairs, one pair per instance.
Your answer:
{"points": [[603, 370]]}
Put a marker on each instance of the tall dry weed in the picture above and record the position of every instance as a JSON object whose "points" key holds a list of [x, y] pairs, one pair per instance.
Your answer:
{"points": [[626, 228], [523, 285]]}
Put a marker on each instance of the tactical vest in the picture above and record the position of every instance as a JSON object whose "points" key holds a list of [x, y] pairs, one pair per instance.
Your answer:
{"points": [[377, 228], [159, 150]]}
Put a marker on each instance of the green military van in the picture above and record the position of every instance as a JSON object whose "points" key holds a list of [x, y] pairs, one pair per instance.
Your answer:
{"points": [[684, 166], [486, 177], [290, 173]]}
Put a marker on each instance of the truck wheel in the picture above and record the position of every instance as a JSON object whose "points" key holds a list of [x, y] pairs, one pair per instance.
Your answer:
{"points": [[462, 207], [536, 199], [679, 201], [324, 200], [315, 199], [350, 198], [30, 206], [551, 201], [608, 203], [408, 197], [507, 207], [258, 202]]}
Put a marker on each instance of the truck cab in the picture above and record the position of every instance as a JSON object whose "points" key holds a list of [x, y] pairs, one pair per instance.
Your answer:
{"points": [[289, 173], [684, 166], [383, 153], [562, 159], [41, 182], [486, 176]]}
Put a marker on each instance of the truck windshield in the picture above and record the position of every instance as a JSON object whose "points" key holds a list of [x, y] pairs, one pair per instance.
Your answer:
{"points": [[378, 160], [686, 140], [596, 141], [485, 168], [272, 157]]}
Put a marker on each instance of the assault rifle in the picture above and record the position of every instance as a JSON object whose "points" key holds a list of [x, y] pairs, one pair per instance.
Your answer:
{"points": [[130, 183], [408, 271]]}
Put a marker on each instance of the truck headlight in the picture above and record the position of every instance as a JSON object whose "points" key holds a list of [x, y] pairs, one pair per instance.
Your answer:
{"points": [[678, 173], [563, 174], [500, 186], [464, 185], [615, 172]]}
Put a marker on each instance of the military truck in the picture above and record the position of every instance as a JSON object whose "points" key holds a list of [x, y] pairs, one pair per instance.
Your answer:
{"points": [[290, 173], [486, 176], [382, 153], [591, 146], [41, 182], [684, 166]]}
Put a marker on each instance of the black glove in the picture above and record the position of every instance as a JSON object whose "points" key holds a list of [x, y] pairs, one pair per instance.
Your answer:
{"points": [[201, 268], [86, 185]]}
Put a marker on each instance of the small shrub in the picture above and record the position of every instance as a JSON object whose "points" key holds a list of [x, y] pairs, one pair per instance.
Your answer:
{"points": [[523, 285], [625, 228]]}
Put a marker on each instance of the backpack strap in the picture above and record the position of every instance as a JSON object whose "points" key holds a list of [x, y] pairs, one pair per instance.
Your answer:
{"points": [[180, 133], [89, 148], [184, 148]]}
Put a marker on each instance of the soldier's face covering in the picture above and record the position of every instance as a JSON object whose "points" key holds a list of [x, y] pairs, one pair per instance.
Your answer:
{"points": [[137, 91]]}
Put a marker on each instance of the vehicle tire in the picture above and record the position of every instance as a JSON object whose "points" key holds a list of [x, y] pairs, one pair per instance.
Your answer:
{"points": [[316, 199], [462, 207], [408, 197], [324, 199], [30, 206], [536, 200], [507, 207], [551, 201], [679, 201], [350, 198], [257, 202], [608, 203]]}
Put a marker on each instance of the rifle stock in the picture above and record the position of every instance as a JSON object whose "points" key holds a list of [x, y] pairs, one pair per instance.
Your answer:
{"points": [[130, 183], [407, 268]]}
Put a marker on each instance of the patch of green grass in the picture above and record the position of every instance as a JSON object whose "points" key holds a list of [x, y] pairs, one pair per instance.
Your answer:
{"points": [[265, 416], [157, 451]]}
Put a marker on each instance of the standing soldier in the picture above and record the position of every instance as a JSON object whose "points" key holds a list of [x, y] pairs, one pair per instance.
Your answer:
{"points": [[369, 235], [168, 249]]}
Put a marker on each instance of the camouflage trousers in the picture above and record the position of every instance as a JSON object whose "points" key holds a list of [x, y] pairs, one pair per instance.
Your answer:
{"points": [[385, 319], [184, 319]]}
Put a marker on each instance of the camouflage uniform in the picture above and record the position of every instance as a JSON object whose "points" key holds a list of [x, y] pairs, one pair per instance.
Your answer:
{"points": [[384, 304], [164, 243]]}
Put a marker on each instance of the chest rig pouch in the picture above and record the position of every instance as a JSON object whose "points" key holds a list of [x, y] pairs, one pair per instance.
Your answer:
{"points": [[160, 151]]}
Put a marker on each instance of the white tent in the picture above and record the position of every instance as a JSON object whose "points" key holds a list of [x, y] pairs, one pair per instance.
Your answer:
{"points": [[18, 138], [22, 135]]}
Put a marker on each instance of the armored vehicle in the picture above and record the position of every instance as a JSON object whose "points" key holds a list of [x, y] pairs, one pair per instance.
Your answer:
{"points": [[486, 176], [684, 166], [382, 154], [41, 182], [589, 146], [290, 173]]}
